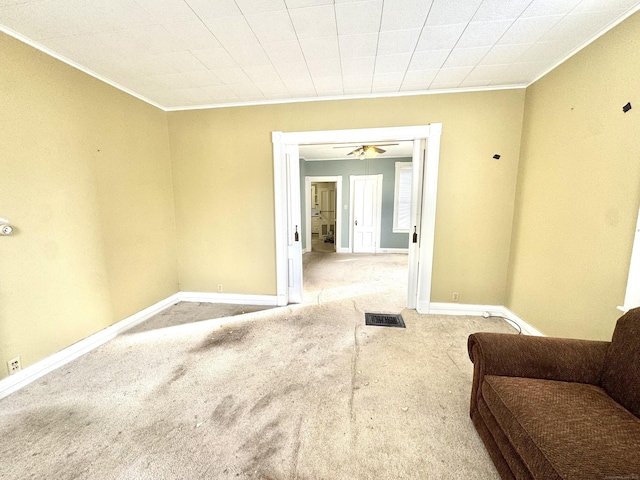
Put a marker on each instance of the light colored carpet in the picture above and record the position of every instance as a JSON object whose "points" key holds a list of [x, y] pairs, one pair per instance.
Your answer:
{"points": [[302, 392]]}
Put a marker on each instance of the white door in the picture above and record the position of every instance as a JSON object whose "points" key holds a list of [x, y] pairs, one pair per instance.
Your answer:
{"points": [[366, 200], [415, 232], [294, 228]]}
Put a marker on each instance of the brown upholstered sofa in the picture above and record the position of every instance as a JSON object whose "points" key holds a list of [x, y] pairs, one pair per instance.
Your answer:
{"points": [[552, 408]]}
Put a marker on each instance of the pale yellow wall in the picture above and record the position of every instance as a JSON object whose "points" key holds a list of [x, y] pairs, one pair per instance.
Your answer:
{"points": [[578, 190], [223, 183], [88, 176], [85, 178]]}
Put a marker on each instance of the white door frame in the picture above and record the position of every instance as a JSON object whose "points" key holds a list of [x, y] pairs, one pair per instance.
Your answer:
{"points": [[287, 187], [337, 179], [377, 178], [417, 176]]}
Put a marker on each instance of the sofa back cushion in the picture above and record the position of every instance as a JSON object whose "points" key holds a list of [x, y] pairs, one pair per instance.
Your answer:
{"points": [[621, 372]]}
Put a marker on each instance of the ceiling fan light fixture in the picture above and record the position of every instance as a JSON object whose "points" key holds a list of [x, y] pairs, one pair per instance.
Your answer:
{"points": [[370, 151], [366, 151]]}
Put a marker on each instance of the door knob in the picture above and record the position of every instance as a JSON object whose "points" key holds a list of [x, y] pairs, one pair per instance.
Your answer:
{"points": [[356, 222]]}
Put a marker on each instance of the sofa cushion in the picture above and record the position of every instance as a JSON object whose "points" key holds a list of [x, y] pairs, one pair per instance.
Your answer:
{"points": [[509, 464], [621, 372], [565, 430]]}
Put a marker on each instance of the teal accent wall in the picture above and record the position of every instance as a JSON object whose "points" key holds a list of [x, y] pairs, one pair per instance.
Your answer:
{"points": [[345, 168]]}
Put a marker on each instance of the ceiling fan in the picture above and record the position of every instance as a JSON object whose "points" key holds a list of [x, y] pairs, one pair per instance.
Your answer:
{"points": [[363, 151]]}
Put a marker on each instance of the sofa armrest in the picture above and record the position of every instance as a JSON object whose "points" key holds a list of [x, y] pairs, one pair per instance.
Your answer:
{"points": [[549, 358]]}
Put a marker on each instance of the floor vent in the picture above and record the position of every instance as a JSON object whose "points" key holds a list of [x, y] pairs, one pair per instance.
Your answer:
{"points": [[384, 320]]}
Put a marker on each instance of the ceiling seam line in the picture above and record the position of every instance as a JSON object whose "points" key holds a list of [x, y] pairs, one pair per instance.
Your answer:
{"points": [[457, 41], [375, 57], [335, 18], [424, 24], [306, 63], [263, 51], [505, 32], [223, 46]]}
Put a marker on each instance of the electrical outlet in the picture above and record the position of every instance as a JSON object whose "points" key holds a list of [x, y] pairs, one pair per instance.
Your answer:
{"points": [[14, 365], [220, 287], [455, 297]]}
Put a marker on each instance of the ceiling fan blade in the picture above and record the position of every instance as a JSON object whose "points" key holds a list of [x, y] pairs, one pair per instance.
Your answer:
{"points": [[351, 145], [379, 150]]}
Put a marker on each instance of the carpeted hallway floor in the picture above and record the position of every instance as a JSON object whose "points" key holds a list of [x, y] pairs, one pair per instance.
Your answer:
{"points": [[207, 391]]}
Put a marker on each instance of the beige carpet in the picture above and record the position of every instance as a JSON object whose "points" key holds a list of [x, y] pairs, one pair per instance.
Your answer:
{"points": [[303, 392]]}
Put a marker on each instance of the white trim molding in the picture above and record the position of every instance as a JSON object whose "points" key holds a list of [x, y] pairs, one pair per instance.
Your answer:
{"points": [[393, 250], [232, 298], [33, 372], [479, 310], [287, 187], [47, 365]]}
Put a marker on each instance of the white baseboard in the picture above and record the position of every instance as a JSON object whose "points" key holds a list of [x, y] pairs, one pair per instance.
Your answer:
{"points": [[461, 309], [233, 298], [393, 250], [477, 310], [526, 328], [379, 250], [31, 373]]}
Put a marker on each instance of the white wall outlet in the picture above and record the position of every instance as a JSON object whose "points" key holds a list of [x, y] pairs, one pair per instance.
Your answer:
{"points": [[219, 287], [14, 365], [455, 297]]}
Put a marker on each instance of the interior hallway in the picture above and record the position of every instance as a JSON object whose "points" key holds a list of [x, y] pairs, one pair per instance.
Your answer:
{"points": [[319, 245]]}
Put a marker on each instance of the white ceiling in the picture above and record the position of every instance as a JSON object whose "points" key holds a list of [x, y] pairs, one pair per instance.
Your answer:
{"points": [[195, 53], [341, 151]]}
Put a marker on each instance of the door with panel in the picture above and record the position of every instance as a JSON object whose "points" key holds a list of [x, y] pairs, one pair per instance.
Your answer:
{"points": [[366, 202]]}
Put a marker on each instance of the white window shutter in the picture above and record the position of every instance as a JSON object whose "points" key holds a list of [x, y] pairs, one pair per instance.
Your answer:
{"points": [[402, 197]]}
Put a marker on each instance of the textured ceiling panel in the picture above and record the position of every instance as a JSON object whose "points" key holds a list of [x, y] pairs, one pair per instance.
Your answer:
{"points": [[198, 53]]}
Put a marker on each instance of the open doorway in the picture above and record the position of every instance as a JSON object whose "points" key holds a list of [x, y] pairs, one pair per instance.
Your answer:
{"points": [[287, 182], [321, 212], [322, 216]]}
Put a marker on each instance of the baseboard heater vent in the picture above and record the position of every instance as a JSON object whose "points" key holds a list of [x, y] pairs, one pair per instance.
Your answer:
{"points": [[384, 320]]}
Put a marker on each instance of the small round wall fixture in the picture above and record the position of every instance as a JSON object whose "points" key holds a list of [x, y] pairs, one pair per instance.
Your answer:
{"points": [[5, 228]]}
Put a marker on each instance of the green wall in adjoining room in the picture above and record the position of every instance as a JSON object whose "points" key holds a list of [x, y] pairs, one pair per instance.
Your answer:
{"points": [[369, 166]]}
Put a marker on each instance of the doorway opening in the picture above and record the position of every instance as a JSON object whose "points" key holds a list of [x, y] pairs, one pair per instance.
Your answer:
{"points": [[287, 182], [323, 217]]}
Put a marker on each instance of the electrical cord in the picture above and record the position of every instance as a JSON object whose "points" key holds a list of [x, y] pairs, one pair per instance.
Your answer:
{"points": [[508, 320]]}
